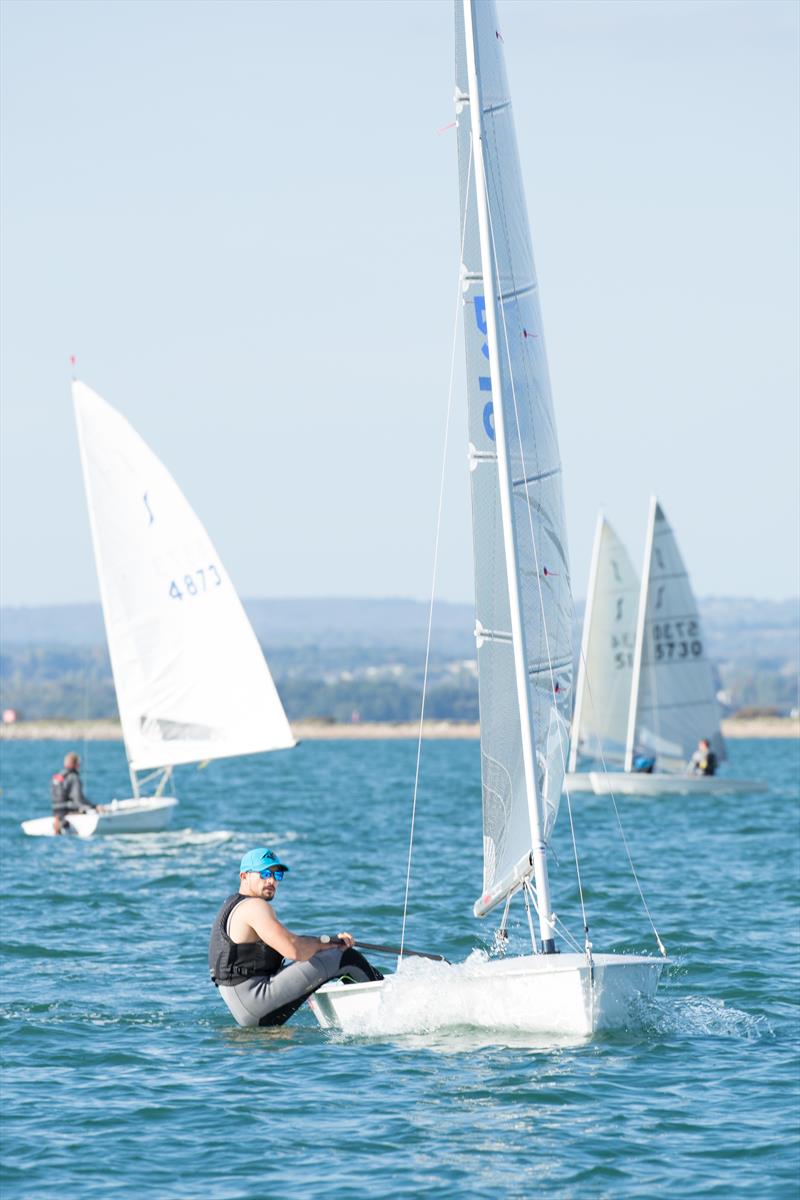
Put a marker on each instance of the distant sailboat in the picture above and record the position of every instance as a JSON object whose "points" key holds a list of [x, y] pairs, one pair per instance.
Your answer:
{"points": [[523, 601], [672, 695], [190, 676], [605, 669]]}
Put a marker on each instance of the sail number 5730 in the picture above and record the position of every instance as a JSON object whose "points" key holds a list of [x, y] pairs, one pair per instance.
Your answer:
{"points": [[677, 639], [195, 583]]}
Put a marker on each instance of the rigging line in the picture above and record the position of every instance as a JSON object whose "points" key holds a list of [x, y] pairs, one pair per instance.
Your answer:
{"points": [[539, 580], [659, 942], [565, 933], [652, 669], [638, 644], [648, 670], [85, 749], [526, 896], [648, 646], [435, 558]]}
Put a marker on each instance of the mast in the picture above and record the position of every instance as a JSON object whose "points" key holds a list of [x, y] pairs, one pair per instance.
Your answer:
{"points": [[587, 626], [639, 646], [536, 814]]}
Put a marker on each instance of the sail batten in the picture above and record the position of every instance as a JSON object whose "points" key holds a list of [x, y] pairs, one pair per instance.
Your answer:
{"points": [[529, 479], [549, 666], [190, 677]]}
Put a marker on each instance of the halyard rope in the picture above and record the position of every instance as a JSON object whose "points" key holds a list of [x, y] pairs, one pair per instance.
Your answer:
{"points": [[660, 944], [565, 933]]}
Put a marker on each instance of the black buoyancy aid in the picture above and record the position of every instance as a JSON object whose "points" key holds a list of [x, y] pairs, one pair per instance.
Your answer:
{"points": [[709, 764], [231, 962], [66, 793], [58, 792]]}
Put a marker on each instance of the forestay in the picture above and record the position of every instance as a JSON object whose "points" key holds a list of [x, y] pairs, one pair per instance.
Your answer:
{"points": [[605, 671], [190, 677], [537, 507], [673, 699]]}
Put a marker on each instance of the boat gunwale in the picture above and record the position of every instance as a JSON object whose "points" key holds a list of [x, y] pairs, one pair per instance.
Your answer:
{"points": [[529, 965]]}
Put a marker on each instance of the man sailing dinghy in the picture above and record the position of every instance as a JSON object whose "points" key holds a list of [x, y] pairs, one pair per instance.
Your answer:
{"points": [[523, 601], [191, 680]]}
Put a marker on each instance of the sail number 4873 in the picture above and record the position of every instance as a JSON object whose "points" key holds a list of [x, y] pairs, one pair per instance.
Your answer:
{"points": [[195, 583]]}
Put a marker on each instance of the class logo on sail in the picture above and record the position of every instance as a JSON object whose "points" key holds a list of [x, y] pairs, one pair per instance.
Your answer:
{"points": [[484, 381]]}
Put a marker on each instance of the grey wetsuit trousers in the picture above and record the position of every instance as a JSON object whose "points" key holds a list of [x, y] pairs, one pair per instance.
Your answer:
{"points": [[272, 999]]}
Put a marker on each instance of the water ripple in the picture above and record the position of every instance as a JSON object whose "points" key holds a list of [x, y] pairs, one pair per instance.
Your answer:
{"points": [[125, 1078]]}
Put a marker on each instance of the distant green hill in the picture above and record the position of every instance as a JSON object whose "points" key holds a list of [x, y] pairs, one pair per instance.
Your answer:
{"points": [[293, 622], [333, 657]]}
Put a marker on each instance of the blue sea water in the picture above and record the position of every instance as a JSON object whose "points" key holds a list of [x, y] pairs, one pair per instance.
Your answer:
{"points": [[124, 1076]]}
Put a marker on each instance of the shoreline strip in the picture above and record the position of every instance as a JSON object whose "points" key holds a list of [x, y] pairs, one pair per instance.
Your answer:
{"points": [[310, 731]]}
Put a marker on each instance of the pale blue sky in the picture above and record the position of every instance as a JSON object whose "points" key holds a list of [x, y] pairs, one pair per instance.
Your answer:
{"points": [[242, 220]]}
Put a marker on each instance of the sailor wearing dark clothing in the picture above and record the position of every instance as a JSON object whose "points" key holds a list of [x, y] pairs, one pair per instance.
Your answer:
{"points": [[249, 945], [66, 790], [704, 760]]}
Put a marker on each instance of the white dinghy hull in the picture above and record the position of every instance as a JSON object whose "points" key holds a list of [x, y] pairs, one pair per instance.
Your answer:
{"points": [[145, 815], [550, 994], [634, 783], [576, 782]]}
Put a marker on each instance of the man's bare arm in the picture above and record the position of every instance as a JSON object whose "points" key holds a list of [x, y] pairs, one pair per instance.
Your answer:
{"points": [[255, 916]]}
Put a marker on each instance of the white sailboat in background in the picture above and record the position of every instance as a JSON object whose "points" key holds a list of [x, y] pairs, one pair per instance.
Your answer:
{"points": [[605, 668], [673, 695], [523, 601], [191, 680]]}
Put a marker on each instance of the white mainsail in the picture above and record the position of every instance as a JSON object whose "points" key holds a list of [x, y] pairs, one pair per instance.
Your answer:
{"points": [[673, 701], [534, 594], [190, 677], [605, 670]]}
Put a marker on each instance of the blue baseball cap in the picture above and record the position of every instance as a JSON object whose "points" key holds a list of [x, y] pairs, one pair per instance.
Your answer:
{"points": [[260, 859]]}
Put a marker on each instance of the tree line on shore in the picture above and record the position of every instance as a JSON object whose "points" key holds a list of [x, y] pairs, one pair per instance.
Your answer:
{"points": [[74, 683]]}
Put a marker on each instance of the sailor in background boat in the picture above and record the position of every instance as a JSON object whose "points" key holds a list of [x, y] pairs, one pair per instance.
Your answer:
{"points": [[704, 760], [248, 946], [66, 790]]}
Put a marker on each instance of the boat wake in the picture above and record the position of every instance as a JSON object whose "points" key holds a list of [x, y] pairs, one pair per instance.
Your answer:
{"points": [[697, 1016], [175, 841], [144, 845]]}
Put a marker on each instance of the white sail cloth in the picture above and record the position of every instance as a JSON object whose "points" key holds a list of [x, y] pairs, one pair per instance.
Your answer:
{"points": [[190, 677], [538, 516], [605, 670], [673, 701]]}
